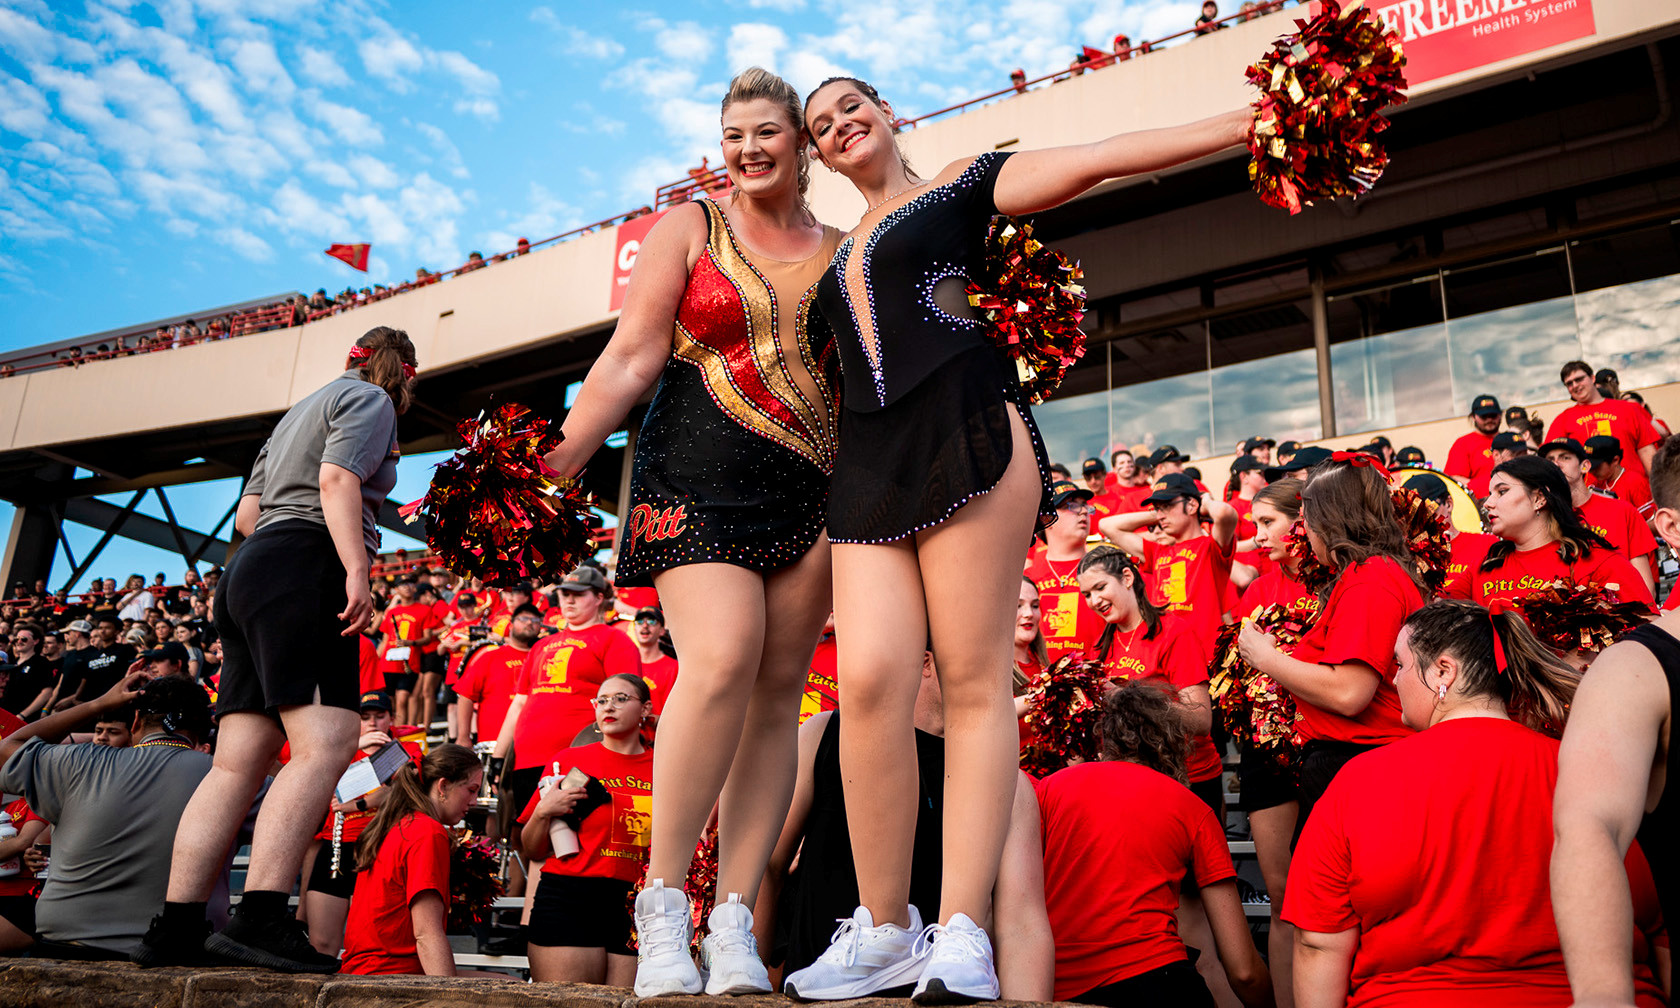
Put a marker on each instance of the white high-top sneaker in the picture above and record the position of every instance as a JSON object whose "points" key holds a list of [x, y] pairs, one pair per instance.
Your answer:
{"points": [[959, 965], [862, 958], [729, 954], [663, 931]]}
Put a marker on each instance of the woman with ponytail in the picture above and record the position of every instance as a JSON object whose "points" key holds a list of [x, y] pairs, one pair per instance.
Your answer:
{"points": [[739, 444], [290, 610], [1422, 876], [1269, 788], [400, 909], [1118, 941], [1142, 642], [580, 920], [1340, 671], [1543, 539]]}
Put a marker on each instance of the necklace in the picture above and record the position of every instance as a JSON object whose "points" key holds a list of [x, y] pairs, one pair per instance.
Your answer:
{"points": [[887, 199], [170, 743]]}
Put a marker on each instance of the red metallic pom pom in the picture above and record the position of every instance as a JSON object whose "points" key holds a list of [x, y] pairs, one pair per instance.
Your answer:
{"points": [[1318, 119], [495, 512], [1034, 301]]}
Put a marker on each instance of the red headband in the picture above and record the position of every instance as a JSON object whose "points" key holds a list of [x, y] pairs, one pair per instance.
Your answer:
{"points": [[358, 354], [1359, 458]]}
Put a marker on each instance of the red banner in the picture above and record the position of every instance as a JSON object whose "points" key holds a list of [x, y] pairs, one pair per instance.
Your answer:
{"points": [[355, 256], [630, 235], [1445, 36]]}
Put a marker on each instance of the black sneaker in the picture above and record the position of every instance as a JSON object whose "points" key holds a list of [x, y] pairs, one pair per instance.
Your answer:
{"points": [[175, 946], [280, 944]]}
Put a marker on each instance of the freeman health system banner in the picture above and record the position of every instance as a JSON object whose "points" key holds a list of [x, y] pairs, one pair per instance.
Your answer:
{"points": [[1445, 36]]}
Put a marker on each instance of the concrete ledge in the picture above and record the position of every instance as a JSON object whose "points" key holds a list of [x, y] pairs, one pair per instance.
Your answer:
{"points": [[48, 983]]}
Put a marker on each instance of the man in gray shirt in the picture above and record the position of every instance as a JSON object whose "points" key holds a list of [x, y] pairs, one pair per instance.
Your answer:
{"points": [[114, 811]]}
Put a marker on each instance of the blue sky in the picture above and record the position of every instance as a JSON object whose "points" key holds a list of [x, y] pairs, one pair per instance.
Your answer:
{"points": [[167, 157]]}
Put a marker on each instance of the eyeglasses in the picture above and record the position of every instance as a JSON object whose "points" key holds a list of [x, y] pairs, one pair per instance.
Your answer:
{"points": [[1078, 508], [647, 621], [615, 700]]}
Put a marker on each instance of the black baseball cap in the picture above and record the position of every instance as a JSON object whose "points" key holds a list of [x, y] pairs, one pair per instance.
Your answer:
{"points": [[1509, 441], [1062, 491], [1093, 465], [1171, 487], [650, 613], [1258, 442], [1245, 463], [1384, 442], [585, 578], [1167, 453], [1410, 455], [1485, 405], [1429, 486], [1603, 448], [1288, 447], [168, 651], [375, 700], [1306, 458], [1567, 444]]}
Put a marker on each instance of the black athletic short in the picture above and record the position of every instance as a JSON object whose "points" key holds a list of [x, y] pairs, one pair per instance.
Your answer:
{"points": [[576, 911], [320, 876], [1265, 783], [433, 664], [403, 682], [277, 612], [518, 786], [1212, 794], [19, 911]]}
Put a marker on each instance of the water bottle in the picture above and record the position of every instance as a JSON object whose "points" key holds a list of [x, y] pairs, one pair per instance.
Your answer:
{"points": [[13, 865]]}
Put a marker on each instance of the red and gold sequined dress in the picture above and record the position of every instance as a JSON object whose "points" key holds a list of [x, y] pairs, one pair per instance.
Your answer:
{"points": [[733, 461]]}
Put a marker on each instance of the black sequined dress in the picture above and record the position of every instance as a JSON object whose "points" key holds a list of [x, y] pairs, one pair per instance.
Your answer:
{"points": [[925, 426], [732, 464]]}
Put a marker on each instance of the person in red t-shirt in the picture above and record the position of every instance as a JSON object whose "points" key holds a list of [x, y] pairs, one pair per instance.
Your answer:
{"points": [[1070, 627], [1116, 933], [1543, 539], [580, 925], [407, 627], [1139, 641], [554, 699], [1095, 476], [399, 913], [372, 672], [491, 676], [1126, 483], [1032, 655], [822, 682], [1468, 548], [1340, 671], [1470, 459], [1248, 473], [1592, 415], [1606, 472], [1617, 521], [659, 669], [1423, 876], [1189, 571], [332, 876], [17, 890]]}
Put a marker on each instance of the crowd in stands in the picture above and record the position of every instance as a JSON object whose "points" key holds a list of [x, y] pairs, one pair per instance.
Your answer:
{"points": [[1405, 844]]}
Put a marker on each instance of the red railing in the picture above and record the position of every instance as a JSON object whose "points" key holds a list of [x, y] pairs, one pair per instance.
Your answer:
{"points": [[703, 180]]}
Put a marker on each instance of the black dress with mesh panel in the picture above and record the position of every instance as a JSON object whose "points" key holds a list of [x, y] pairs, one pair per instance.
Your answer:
{"points": [[924, 425]]}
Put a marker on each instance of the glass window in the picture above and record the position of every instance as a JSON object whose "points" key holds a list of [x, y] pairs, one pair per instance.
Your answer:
{"points": [[1387, 352], [1510, 326], [1633, 328], [1265, 377], [1161, 391], [1074, 422]]}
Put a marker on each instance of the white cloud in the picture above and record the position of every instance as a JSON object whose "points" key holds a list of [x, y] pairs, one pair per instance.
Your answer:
{"points": [[543, 215], [575, 41], [479, 108], [448, 153], [260, 67], [754, 43], [352, 125], [332, 173], [391, 58], [684, 40], [245, 243], [25, 38], [321, 67], [373, 172], [786, 6], [474, 78]]}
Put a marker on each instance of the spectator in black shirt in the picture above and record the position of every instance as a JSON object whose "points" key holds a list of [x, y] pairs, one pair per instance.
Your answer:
{"points": [[101, 665], [32, 675]]}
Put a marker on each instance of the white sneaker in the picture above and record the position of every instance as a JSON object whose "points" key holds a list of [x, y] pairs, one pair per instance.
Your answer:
{"points": [[862, 958], [729, 954], [664, 928], [959, 964]]}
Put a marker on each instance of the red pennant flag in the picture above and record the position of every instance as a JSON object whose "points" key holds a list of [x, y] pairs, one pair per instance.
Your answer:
{"points": [[355, 255]]}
